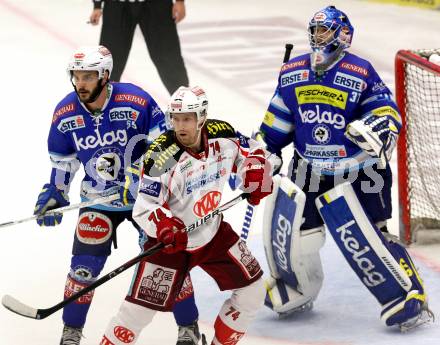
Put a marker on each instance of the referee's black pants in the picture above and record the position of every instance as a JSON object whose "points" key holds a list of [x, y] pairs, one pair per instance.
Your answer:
{"points": [[159, 30]]}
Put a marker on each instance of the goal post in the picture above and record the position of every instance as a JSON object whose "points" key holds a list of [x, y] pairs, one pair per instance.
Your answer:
{"points": [[418, 148]]}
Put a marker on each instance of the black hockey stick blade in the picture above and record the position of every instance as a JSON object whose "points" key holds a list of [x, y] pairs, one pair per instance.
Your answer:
{"points": [[22, 309]]}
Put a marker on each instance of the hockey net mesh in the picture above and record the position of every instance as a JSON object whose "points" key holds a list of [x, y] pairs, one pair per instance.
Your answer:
{"points": [[422, 113]]}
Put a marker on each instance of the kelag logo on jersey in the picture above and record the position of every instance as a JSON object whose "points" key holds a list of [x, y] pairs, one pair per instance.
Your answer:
{"points": [[350, 82], [71, 123], [321, 94], [150, 187], [294, 77], [316, 116], [106, 139], [123, 114]]}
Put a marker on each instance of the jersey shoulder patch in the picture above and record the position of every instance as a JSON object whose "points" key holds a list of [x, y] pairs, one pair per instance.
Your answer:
{"points": [[219, 129], [129, 94], [67, 106], [162, 155]]}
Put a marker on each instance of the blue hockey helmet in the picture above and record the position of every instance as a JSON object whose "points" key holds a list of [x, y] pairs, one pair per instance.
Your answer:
{"points": [[330, 32]]}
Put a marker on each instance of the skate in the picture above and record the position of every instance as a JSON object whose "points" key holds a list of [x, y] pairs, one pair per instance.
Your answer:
{"points": [[301, 309], [71, 336], [190, 335], [426, 315]]}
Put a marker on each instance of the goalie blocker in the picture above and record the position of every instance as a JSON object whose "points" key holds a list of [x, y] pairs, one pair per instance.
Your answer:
{"points": [[385, 268]]}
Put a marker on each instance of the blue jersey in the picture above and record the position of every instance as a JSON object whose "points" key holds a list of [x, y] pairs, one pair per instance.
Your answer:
{"points": [[104, 142], [313, 111]]}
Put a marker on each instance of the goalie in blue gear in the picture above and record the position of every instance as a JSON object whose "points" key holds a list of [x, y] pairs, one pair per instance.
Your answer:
{"points": [[343, 123]]}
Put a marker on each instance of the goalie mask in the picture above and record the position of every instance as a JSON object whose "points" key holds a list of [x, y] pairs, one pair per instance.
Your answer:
{"points": [[330, 32], [188, 100], [94, 58]]}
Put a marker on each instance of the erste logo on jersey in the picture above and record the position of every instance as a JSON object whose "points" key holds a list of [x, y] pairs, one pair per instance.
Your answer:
{"points": [[123, 114], [106, 139], [206, 204], [350, 82], [295, 77], [71, 123], [321, 94]]}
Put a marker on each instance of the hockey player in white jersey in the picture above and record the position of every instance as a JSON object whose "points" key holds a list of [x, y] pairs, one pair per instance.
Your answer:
{"points": [[184, 174]]}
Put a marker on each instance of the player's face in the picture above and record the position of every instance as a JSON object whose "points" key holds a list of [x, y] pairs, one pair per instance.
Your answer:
{"points": [[323, 35], [86, 83], [185, 126]]}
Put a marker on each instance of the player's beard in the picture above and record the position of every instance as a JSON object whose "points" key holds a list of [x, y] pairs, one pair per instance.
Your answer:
{"points": [[89, 96]]}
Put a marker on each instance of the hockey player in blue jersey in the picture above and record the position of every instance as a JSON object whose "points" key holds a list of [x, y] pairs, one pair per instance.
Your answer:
{"points": [[104, 126], [344, 125]]}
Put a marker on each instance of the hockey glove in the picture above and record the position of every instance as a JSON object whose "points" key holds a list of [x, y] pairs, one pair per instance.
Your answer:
{"points": [[257, 177], [50, 198], [128, 191], [171, 232], [376, 135]]}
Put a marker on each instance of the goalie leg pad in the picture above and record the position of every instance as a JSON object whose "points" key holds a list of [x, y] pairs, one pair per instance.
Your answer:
{"points": [[292, 255], [384, 268]]}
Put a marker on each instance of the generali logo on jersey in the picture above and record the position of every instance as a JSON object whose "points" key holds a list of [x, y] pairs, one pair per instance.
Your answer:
{"points": [[208, 203]]}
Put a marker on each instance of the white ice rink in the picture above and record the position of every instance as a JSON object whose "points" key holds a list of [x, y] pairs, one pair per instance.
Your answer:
{"points": [[232, 48]]}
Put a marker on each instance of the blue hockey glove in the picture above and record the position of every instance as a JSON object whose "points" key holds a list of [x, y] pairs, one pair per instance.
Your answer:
{"points": [[50, 197], [128, 191]]}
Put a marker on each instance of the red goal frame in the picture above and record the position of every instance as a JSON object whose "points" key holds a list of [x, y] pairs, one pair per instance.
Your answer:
{"points": [[404, 57]]}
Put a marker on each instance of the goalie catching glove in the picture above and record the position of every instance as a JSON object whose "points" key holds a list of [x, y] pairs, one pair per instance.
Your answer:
{"points": [[171, 232], [257, 177], [376, 135], [50, 198]]}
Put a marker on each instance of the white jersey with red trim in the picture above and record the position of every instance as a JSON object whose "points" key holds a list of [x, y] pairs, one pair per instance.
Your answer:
{"points": [[176, 182]]}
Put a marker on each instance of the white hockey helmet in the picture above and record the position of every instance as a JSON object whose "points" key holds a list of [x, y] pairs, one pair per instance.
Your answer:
{"points": [[188, 100], [93, 58]]}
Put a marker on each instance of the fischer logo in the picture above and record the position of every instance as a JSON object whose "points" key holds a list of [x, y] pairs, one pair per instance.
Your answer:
{"points": [[279, 243], [208, 203], [310, 116], [123, 334], [107, 139], [371, 278], [71, 123]]}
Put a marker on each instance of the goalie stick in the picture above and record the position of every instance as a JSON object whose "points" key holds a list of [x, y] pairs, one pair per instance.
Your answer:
{"points": [[22, 309], [96, 201], [251, 209]]}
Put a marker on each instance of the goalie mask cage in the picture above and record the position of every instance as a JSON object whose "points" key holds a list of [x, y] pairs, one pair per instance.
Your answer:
{"points": [[418, 152]]}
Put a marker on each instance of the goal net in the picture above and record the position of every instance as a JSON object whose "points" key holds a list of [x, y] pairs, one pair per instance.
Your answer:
{"points": [[418, 98]]}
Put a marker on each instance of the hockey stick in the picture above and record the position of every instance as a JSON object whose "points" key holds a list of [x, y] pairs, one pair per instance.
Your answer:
{"points": [[96, 201], [22, 309], [251, 209]]}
